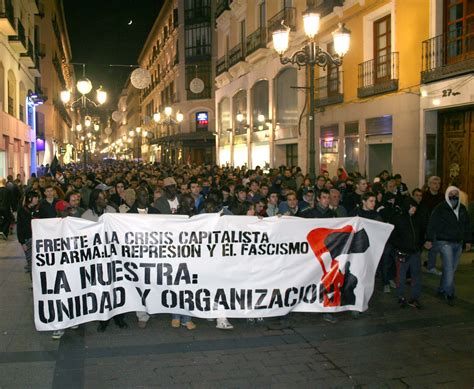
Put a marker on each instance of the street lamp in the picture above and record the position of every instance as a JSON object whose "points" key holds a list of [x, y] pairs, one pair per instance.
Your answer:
{"points": [[84, 87], [168, 120], [311, 55]]}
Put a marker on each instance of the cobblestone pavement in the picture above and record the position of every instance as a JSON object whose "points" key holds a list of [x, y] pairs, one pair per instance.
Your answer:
{"points": [[386, 347]]}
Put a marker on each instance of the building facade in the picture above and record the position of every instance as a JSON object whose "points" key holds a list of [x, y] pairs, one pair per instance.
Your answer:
{"points": [[56, 133], [367, 109], [447, 95], [18, 95], [179, 55]]}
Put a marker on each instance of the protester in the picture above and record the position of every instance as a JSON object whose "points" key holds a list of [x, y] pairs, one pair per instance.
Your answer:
{"points": [[449, 228], [129, 197], [407, 243], [5, 209], [431, 198], [353, 199], [27, 212], [335, 203]]}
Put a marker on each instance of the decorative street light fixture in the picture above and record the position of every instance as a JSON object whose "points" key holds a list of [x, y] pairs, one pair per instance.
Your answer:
{"points": [[168, 120], [311, 55], [84, 87]]}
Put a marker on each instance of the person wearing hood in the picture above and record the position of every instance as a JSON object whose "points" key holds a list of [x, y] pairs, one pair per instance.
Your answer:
{"points": [[449, 229]]}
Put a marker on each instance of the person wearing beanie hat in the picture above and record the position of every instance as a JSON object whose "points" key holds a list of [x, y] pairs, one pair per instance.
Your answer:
{"points": [[449, 229]]}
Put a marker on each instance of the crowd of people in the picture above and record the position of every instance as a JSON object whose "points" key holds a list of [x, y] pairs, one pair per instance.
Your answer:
{"points": [[423, 217]]}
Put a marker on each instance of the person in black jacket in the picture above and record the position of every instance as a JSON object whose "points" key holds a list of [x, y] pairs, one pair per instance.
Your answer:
{"points": [[5, 209], [407, 243], [27, 212], [449, 229], [321, 210], [366, 208], [47, 206]]}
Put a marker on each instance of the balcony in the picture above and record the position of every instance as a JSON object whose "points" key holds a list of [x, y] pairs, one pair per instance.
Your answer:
{"points": [[378, 76], [257, 45], [35, 69], [287, 15], [7, 17], [221, 7], [197, 15], [18, 41], [325, 7], [221, 65], [329, 90], [28, 58], [236, 54], [447, 55]]}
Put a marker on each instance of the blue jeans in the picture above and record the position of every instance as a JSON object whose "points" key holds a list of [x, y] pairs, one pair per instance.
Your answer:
{"points": [[412, 262], [450, 255], [432, 254], [183, 318]]}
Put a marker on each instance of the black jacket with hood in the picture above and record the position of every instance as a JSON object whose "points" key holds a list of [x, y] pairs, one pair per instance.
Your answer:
{"points": [[448, 223]]}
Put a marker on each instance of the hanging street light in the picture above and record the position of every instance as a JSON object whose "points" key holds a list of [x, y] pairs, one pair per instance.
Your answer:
{"points": [[310, 56]]}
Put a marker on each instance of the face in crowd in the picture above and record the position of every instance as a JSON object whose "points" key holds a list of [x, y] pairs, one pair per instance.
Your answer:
{"points": [[334, 198], [362, 186], [75, 200], [273, 199], [292, 200], [323, 200], [434, 184], [369, 204]]}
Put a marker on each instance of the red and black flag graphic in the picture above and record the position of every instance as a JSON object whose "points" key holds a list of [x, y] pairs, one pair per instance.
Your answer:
{"points": [[337, 288]]}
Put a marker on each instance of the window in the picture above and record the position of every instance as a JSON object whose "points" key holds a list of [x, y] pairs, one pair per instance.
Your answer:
{"points": [[224, 116], [351, 146], [198, 40], [330, 148], [382, 48], [332, 74], [292, 155], [287, 99], [260, 105], [459, 27], [240, 106]]}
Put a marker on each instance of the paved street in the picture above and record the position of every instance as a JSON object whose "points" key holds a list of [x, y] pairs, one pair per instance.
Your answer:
{"points": [[386, 347]]}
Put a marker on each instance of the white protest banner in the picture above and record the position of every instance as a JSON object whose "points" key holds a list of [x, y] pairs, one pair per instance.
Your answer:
{"points": [[206, 266]]}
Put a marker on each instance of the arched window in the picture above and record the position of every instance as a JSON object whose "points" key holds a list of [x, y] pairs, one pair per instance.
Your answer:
{"points": [[22, 102], [224, 116], [240, 108], [287, 99], [260, 110], [11, 93]]}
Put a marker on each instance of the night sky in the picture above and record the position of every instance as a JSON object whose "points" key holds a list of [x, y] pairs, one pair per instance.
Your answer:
{"points": [[100, 34]]}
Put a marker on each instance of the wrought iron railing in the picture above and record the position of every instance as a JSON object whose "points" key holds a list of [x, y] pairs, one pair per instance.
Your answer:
{"points": [[448, 54], [379, 75], [20, 33], [222, 5], [287, 15], [236, 54], [325, 7], [6, 11], [29, 51], [257, 40], [329, 90], [221, 65]]}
